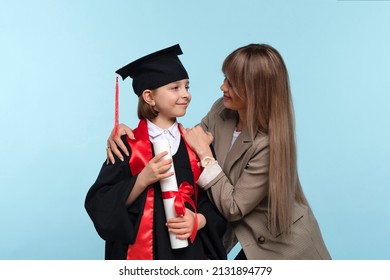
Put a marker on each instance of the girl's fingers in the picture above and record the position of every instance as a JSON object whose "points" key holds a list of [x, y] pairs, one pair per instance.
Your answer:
{"points": [[163, 169], [179, 230], [183, 236], [176, 225], [165, 175], [159, 156]]}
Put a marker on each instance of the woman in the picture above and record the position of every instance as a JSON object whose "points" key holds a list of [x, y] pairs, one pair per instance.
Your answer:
{"points": [[253, 179]]}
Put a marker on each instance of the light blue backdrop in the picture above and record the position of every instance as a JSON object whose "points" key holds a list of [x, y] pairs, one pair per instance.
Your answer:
{"points": [[57, 63]]}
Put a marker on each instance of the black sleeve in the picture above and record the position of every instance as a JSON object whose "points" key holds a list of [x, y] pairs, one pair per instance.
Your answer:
{"points": [[214, 230], [105, 202]]}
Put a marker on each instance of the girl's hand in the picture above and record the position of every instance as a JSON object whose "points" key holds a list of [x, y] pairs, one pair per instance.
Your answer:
{"points": [[155, 170], [114, 142], [184, 226]]}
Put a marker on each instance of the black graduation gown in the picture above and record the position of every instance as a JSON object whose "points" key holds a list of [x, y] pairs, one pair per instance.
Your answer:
{"points": [[118, 225]]}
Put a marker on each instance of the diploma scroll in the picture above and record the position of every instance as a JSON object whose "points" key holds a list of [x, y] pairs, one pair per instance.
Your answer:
{"points": [[169, 184]]}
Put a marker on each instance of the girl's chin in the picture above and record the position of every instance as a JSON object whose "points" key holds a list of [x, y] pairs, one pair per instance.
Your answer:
{"points": [[180, 114]]}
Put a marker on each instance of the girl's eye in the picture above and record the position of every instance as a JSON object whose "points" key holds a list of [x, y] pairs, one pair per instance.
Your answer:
{"points": [[175, 88]]}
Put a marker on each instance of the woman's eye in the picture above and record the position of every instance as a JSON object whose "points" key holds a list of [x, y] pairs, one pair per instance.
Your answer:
{"points": [[228, 82]]}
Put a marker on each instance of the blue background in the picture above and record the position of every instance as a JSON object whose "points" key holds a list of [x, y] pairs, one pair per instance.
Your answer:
{"points": [[57, 63]]}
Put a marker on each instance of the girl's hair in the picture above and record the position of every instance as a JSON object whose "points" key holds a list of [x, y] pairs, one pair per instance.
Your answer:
{"points": [[258, 75], [146, 111]]}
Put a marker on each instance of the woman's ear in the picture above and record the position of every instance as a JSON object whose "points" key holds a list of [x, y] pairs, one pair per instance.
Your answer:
{"points": [[147, 95]]}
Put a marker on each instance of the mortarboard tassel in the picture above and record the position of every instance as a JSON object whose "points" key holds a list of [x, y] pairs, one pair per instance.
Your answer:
{"points": [[116, 126]]}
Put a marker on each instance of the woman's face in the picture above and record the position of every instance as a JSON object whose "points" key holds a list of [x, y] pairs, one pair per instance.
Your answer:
{"points": [[230, 98]]}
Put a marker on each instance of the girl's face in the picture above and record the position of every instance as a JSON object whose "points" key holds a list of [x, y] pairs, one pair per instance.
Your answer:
{"points": [[172, 100], [230, 98]]}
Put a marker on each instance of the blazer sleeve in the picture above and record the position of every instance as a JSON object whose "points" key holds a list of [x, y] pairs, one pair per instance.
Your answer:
{"points": [[105, 202], [236, 200]]}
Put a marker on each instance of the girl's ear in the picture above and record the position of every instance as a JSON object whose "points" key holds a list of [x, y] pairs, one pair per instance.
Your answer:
{"points": [[147, 95]]}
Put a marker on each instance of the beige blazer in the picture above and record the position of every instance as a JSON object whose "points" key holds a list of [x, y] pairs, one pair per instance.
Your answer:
{"points": [[240, 194]]}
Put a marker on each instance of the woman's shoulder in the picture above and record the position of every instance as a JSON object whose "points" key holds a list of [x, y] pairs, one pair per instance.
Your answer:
{"points": [[217, 106], [219, 109]]}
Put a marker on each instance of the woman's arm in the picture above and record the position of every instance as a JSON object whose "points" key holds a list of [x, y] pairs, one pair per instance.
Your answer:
{"points": [[234, 201], [233, 197]]}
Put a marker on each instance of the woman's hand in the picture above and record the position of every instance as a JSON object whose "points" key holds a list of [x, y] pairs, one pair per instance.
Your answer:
{"points": [[198, 140], [114, 142], [184, 226]]}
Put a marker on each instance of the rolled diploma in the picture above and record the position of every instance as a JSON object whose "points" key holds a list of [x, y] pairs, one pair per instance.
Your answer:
{"points": [[169, 184]]}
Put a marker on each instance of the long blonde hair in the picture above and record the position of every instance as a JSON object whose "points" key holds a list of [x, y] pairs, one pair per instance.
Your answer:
{"points": [[258, 74]]}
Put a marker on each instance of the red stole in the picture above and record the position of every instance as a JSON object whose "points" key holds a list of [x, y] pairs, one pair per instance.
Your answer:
{"points": [[141, 154]]}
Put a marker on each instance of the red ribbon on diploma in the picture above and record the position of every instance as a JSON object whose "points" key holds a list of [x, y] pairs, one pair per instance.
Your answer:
{"points": [[182, 195]]}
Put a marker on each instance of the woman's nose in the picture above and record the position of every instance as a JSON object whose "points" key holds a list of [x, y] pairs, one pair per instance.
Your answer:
{"points": [[223, 87]]}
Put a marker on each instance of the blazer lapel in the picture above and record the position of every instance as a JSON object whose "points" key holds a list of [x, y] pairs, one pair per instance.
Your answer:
{"points": [[227, 156], [224, 137], [239, 148]]}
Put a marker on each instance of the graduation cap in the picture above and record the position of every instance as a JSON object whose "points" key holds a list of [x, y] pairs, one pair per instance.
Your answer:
{"points": [[150, 72], [155, 70]]}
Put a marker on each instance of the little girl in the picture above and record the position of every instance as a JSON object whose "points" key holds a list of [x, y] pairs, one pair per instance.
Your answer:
{"points": [[126, 203]]}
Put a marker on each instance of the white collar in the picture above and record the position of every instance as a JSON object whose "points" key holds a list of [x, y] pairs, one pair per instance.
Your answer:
{"points": [[155, 131]]}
